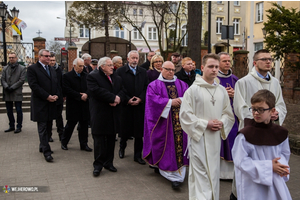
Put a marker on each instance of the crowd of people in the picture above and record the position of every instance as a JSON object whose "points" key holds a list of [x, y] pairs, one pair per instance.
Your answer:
{"points": [[207, 121]]}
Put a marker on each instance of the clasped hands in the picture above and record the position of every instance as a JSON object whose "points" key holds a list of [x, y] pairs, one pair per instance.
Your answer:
{"points": [[214, 125], [134, 101], [52, 98], [280, 169], [116, 102], [230, 91], [176, 102], [84, 96]]}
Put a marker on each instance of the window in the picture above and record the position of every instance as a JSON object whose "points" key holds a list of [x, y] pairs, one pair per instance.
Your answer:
{"points": [[236, 26], [141, 12], [151, 33], [136, 34], [119, 33], [219, 2], [236, 3], [134, 11], [258, 46], [173, 7], [259, 12], [219, 25], [83, 32], [184, 41]]}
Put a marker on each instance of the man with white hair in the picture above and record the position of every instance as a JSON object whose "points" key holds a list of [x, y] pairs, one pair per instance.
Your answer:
{"points": [[106, 93], [87, 58], [135, 82], [77, 105], [117, 62]]}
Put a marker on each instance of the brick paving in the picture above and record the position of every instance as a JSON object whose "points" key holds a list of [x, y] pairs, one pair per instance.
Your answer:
{"points": [[70, 175]]}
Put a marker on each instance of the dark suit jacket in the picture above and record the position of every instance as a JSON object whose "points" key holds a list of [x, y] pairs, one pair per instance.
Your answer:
{"points": [[41, 87], [146, 65], [104, 118], [132, 117], [181, 75], [73, 85], [89, 68], [58, 71]]}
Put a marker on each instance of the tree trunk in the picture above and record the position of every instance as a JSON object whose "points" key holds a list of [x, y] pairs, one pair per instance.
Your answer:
{"points": [[107, 42], [194, 31]]}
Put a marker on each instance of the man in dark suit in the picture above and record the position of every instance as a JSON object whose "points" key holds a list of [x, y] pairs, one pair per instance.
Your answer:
{"points": [[77, 105], [60, 101], [87, 58], [106, 93], [135, 82], [44, 94], [146, 64]]}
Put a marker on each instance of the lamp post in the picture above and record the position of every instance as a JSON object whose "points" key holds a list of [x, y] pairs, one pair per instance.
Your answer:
{"points": [[70, 41], [4, 15]]}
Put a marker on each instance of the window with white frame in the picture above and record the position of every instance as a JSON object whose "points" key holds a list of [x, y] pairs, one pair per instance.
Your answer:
{"points": [[236, 26], [134, 11], [152, 33], [259, 12], [141, 12], [83, 32], [258, 46], [173, 7], [219, 23], [236, 3], [136, 34], [219, 2], [184, 41], [119, 33]]}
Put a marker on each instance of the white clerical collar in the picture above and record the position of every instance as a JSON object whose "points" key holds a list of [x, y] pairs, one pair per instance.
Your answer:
{"points": [[161, 78]]}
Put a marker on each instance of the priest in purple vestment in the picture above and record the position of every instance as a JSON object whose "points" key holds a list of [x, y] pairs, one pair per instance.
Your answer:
{"points": [[228, 80], [165, 142]]}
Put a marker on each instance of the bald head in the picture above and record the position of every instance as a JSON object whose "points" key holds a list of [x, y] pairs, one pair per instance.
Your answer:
{"points": [[168, 70]]}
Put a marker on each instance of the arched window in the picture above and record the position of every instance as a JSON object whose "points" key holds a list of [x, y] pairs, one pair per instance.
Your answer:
{"points": [[119, 33], [184, 41]]}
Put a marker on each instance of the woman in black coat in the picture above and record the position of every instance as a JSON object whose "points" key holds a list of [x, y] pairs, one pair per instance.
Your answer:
{"points": [[105, 89]]}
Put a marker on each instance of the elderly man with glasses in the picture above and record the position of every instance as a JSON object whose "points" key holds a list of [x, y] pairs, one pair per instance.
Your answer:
{"points": [[259, 78], [164, 140]]}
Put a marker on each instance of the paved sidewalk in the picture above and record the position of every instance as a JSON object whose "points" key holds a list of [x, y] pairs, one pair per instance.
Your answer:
{"points": [[70, 175]]}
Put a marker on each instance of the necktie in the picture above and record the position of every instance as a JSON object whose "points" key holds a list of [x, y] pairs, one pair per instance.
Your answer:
{"points": [[134, 70], [87, 69], [47, 70], [109, 79]]}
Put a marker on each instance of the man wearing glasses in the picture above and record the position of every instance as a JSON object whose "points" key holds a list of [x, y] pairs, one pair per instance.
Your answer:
{"points": [[42, 80], [163, 100], [259, 78]]}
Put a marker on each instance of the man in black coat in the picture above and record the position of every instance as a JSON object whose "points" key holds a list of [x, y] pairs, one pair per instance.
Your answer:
{"points": [[106, 93], [77, 105], [146, 64], [44, 94], [87, 58], [187, 74], [60, 101], [135, 82]]}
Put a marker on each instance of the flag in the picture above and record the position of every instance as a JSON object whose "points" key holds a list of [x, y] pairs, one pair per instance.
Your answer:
{"points": [[120, 26], [18, 22], [16, 29]]}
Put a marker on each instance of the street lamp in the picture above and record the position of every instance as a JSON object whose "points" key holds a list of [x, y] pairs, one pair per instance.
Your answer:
{"points": [[264, 31], [70, 41], [4, 15]]}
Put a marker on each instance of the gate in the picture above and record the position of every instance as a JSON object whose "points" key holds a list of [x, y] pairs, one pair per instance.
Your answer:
{"points": [[24, 52]]}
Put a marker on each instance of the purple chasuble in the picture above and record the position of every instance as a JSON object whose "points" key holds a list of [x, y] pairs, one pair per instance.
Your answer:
{"points": [[226, 145], [159, 136]]}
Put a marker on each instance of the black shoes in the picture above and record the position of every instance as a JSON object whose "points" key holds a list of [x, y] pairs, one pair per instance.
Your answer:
{"points": [[111, 168], [10, 129], [49, 158], [18, 130], [96, 172], [50, 139], [175, 185], [64, 147], [140, 161], [121, 153], [41, 150], [86, 148]]}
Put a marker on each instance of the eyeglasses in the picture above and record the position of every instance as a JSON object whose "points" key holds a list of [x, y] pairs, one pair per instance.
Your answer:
{"points": [[111, 65], [11, 57], [169, 70], [47, 56], [266, 59], [158, 61], [259, 110]]}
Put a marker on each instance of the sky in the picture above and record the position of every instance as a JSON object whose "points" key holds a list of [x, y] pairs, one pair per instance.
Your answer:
{"points": [[40, 15]]}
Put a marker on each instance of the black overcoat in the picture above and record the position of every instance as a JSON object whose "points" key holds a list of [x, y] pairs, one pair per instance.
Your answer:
{"points": [[132, 117], [41, 87], [73, 85], [181, 75], [105, 119]]}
